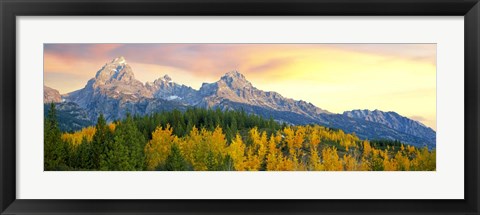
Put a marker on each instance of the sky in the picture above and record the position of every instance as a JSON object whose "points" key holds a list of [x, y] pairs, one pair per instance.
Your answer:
{"points": [[335, 77]]}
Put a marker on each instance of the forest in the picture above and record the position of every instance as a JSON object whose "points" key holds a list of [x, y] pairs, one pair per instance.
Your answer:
{"points": [[215, 140]]}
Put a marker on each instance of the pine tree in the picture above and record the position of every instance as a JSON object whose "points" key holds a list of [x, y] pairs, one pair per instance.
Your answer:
{"points": [[175, 160], [125, 151], [99, 142], [55, 150]]}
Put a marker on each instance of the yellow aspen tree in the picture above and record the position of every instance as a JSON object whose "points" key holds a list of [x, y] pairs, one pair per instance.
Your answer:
{"points": [[350, 163], [424, 160], [299, 139], [365, 165], [289, 140], [314, 163], [262, 147], [189, 145], [257, 150], [77, 137], [314, 139], [280, 143], [294, 160], [203, 150], [218, 142], [367, 149], [411, 149], [158, 148], [292, 141], [272, 154], [252, 163], [331, 160], [254, 135], [346, 144], [389, 164], [402, 161], [236, 150], [377, 160], [211, 150], [285, 164], [278, 137]]}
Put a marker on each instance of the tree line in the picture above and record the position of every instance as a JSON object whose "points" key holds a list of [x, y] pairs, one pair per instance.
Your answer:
{"points": [[215, 140]]}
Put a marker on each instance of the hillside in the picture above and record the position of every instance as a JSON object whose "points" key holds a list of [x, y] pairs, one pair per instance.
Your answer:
{"points": [[208, 140]]}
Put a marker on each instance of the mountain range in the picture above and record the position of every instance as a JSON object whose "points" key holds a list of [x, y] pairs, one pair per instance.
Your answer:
{"points": [[114, 91]]}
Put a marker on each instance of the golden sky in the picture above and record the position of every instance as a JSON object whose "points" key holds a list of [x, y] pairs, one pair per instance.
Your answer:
{"points": [[335, 77]]}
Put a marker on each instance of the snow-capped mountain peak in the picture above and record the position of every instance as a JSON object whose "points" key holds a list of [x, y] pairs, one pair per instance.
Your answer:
{"points": [[119, 60], [115, 70]]}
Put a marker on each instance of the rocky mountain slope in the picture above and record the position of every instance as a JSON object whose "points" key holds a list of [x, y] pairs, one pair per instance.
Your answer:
{"points": [[51, 95], [373, 130], [71, 117], [164, 88], [395, 121], [114, 91], [234, 88]]}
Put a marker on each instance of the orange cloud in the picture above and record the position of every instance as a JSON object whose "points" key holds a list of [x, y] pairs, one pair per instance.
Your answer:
{"points": [[103, 49]]}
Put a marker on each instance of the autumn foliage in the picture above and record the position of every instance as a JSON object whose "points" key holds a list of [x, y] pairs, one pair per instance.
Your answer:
{"points": [[237, 143]]}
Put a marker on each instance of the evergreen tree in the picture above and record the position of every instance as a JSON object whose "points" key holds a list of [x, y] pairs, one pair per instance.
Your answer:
{"points": [[125, 151], [99, 143], [85, 155], [175, 160], [55, 150]]}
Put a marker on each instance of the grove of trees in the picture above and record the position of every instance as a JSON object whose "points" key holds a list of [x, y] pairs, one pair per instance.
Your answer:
{"points": [[214, 140]]}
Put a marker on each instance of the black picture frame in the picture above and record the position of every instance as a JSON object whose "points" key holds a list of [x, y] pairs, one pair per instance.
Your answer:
{"points": [[10, 9]]}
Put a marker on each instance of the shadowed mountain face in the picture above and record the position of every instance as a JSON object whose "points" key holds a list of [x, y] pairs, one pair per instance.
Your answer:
{"points": [[395, 121], [71, 117], [164, 88], [114, 91]]}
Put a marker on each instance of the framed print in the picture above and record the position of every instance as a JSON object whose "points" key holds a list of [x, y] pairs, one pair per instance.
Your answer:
{"points": [[231, 124], [239, 107]]}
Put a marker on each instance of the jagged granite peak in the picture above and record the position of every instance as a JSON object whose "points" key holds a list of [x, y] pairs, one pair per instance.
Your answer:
{"points": [[235, 80], [116, 70], [165, 88], [51, 95], [233, 74], [112, 91], [234, 87], [167, 78], [395, 121]]}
